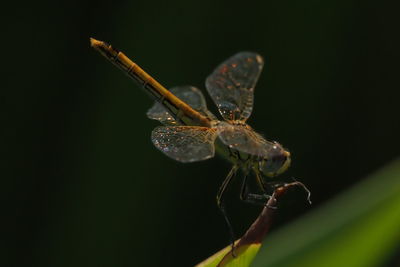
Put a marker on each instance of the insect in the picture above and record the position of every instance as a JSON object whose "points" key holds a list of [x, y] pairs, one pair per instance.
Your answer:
{"points": [[191, 133]]}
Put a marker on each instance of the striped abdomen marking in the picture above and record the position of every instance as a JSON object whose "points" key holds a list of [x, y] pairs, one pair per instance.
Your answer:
{"points": [[176, 107]]}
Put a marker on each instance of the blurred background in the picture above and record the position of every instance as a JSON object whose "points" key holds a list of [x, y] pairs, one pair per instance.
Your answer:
{"points": [[81, 179]]}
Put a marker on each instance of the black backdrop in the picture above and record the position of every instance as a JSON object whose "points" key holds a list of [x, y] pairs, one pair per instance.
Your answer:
{"points": [[83, 184]]}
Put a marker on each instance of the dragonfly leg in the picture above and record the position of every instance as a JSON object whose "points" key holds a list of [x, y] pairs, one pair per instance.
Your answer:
{"points": [[258, 199], [221, 205], [263, 185], [252, 198]]}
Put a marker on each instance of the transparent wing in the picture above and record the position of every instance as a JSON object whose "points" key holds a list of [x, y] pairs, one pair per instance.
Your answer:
{"points": [[185, 143], [232, 83], [189, 94], [243, 138]]}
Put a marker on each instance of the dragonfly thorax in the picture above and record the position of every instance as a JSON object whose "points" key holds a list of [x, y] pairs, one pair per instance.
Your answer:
{"points": [[250, 150]]}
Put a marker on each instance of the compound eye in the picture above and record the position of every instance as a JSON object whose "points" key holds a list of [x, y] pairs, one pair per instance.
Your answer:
{"points": [[279, 158]]}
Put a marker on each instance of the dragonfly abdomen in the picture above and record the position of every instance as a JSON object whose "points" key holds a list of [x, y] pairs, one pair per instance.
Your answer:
{"points": [[158, 92]]}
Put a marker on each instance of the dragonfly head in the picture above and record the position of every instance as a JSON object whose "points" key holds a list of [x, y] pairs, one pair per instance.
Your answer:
{"points": [[277, 161]]}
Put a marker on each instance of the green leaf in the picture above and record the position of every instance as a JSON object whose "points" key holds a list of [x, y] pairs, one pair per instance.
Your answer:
{"points": [[223, 258], [361, 227]]}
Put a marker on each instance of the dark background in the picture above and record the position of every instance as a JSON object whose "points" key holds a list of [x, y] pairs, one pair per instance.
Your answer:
{"points": [[81, 179]]}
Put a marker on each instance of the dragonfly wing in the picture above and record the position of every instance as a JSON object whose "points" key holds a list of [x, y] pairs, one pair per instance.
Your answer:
{"points": [[244, 139], [189, 94], [232, 83], [185, 143], [158, 112]]}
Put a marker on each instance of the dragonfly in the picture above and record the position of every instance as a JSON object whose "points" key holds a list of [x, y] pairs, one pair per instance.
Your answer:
{"points": [[191, 133]]}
